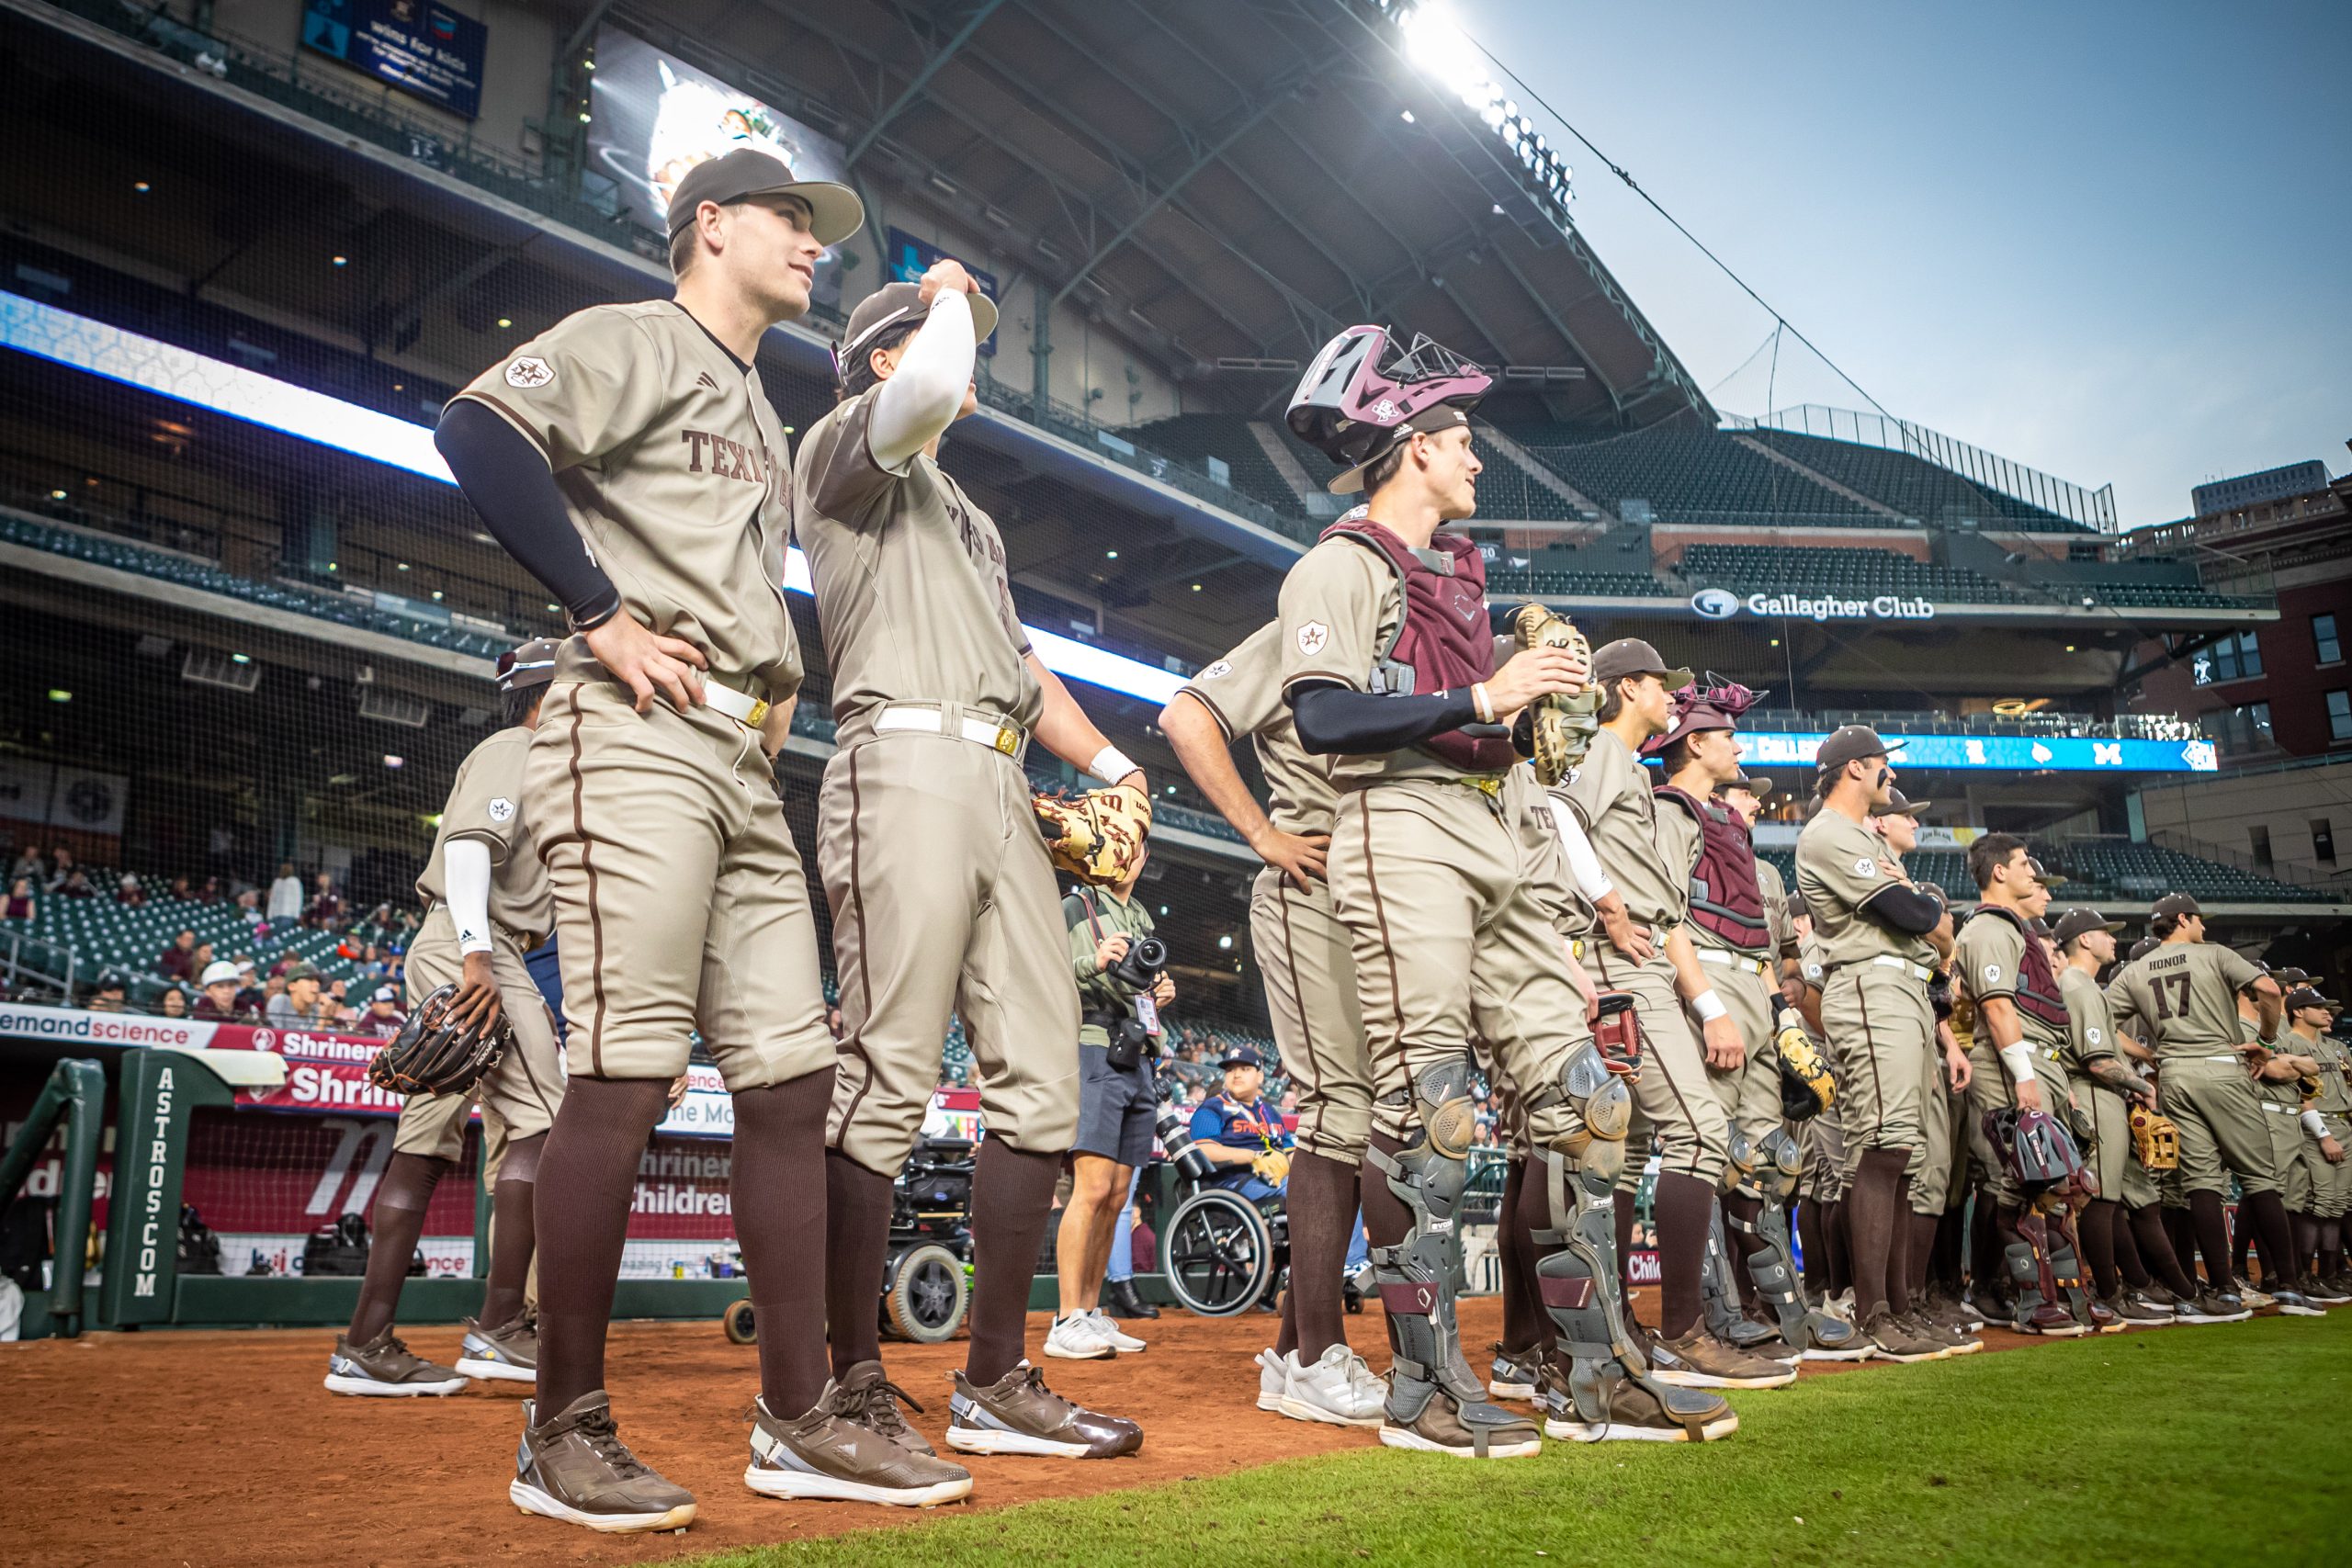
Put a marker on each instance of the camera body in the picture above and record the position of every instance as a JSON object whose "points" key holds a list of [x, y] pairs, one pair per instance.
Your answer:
{"points": [[1139, 968]]}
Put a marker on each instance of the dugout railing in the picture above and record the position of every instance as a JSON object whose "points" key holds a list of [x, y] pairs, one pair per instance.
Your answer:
{"points": [[74, 1096]]}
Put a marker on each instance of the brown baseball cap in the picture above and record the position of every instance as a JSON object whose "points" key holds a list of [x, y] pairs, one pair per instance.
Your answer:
{"points": [[1631, 656], [1850, 744], [900, 305], [2308, 996], [533, 664], [1797, 906], [1760, 788], [1900, 805], [834, 212], [2075, 922], [2175, 904], [2292, 977], [2141, 949]]}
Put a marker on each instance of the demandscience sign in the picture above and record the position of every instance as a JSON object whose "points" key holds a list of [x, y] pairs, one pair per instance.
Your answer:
{"points": [[2015, 753], [1722, 604]]}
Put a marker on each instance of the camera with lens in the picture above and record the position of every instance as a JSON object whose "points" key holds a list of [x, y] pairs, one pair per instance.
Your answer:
{"points": [[1139, 968], [1175, 1130]]}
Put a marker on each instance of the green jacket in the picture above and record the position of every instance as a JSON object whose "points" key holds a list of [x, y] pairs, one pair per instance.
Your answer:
{"points": [[1111, 916]]}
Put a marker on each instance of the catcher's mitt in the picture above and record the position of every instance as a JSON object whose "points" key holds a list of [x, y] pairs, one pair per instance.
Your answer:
{"points": [[1563, 726], [2155, 1141], [433, 1056], [1806, 1088], [1097, 837]]}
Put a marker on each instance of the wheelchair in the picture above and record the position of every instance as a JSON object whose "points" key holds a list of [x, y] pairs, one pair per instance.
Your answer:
{"points": [[926, 1278], [1220, 1253]]}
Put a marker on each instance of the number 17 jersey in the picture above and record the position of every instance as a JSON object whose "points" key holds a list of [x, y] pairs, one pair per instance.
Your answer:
{"points": [[2182, 999]]}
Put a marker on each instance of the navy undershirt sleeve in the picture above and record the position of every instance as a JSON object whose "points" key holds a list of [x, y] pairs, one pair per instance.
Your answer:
{"points": [[507, 479]]}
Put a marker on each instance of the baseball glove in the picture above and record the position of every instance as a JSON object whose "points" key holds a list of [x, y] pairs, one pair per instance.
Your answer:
{"points": [[1806, 1088], [1097, 837], [430, 1055], [2155, 1141], [1562, 727], [1273, 1166]]}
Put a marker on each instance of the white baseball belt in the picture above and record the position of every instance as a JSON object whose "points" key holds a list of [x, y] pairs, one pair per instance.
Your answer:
{"points": [[2277, 1110], [1888, 961], [1717, 955], [744, 710], [996, 733]]}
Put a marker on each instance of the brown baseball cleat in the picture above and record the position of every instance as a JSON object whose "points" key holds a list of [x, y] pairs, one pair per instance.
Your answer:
{"points": [[1018, 1415], [1444, 1426], [575, 1467], [1890, 1341], [872, 1401], [1935, 1332], [384, 1368], [824, 1455], [508, 1352], [1699, 1360], [1628, 1410]]}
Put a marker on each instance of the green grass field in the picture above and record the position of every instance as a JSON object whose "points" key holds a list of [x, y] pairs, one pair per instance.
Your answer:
{"points": [[2226, 1444]]}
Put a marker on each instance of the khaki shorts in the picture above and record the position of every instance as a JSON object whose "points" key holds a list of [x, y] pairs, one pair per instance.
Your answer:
{"points": [[1305, 954], [1884, 1029], [2331, 1184], [1750, 1094], [943, 901], [680, 900], [519, 1096], [1674, 1100], [2223, 1129]]}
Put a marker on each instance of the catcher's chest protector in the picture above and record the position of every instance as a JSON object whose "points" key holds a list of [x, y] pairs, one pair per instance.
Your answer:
{"points": [[1725, 895], [1445, 642]]}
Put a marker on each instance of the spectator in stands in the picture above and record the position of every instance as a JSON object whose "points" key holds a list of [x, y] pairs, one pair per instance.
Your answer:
{"points": [[384, 1017], [299, 1005], [129, 893], [29, 866], [249, 907], [222, 1001], [251, 996], [326, 904], [173, 1003], [286, 894], [178, 961], [22, 906], [371, 964], [76, 886], [340, 1012], [204, 956], [181, 891], [62, 868], [106, 996], [210, 892]]}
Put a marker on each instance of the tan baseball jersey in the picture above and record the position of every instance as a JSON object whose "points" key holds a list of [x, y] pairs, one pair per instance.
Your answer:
{"points": [[1548, 878], [909, 577], [2181, 999], [2090, 1032], [1243, 692], [674, 468], [485, 805], [1838, 869], [1776, 908], [1989, 954], [1610, 796], [1341, 606]]}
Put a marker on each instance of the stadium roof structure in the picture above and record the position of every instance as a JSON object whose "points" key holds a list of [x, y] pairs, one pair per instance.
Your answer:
{"points": [[1228, 184]]}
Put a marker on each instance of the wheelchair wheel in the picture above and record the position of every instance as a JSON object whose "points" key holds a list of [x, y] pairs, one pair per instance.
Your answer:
{"points": [[738, 1324], [1217, 1253], [925, 1299]]}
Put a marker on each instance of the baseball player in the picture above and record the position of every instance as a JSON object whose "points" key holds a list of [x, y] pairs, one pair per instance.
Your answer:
{"points": [[1388, 667], [2181, 998], [2328, 1132], [1649, 954], [2280, 1079], [1878, 935], [630, 457], [1733, 930], [1310, 1374], [1821, 1220], [487, 903], [942, 891]]}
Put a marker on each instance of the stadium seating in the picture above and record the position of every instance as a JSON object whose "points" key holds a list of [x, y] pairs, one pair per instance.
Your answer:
{"points": [[1915, 487], [2163, 596], [1502, 582], [1851, 573], [2122, 876], [1693, 476], [1194, 438]]}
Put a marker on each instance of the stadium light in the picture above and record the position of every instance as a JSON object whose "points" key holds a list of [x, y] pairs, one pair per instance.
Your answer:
{"points": [[1442, 50]]}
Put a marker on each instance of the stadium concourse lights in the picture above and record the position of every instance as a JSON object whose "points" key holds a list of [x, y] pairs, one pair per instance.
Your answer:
{"points": [[1441, 51]]}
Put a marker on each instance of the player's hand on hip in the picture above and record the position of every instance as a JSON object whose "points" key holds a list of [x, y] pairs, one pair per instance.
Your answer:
{"points": [[1297, 856], [1536, 673], [1627, 938], [1727, 1053], [476, 1001], [1109, 951], [946, 274], [2028, 1095], [647, 664]]}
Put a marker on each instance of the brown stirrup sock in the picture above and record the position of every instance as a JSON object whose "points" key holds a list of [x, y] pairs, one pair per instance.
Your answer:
{"points": [[1012, 1192], [1322, 1198], [778, 1188], [2305, 1231], [2154, 1247], [1987, 1264], [2213, 1224], [1625, 1205], [513, 1233], [1951, 1236], [2331, 1247], [2270, 1239], [857, 1247], [1898, 1252], [1531, 1284], [1812, 1238], [1683, 1206], [589, 1171], [2241, 1243], [1519, 1328], [2127, 1252], [1922, 1243], [1838, 1221], [401, 1199], [1873, 1208], [2097, 1232]]}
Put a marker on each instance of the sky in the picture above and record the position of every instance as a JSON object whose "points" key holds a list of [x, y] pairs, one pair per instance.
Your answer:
{"points": [[2112, 241]]}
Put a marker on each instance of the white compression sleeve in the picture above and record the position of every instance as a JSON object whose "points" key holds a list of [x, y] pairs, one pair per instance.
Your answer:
{"points": [[1584, 866], [922, 396], [465, 865], [2314, 1124]]}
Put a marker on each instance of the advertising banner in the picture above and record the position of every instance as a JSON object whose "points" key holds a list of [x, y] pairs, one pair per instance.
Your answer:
{"points": [[2009, 753], [652, 116], [427, 51], [909, 258]]}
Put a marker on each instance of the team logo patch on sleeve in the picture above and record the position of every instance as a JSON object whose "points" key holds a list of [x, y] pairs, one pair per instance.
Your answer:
{"points": [[1222, 667], [1312, 637], [1992, 974], [2092, 1034], [502, 809], [1864, 866], [529, 372]]}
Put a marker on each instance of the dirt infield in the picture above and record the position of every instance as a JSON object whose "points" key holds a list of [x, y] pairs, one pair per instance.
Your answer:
{"points": [[200, 1449]]}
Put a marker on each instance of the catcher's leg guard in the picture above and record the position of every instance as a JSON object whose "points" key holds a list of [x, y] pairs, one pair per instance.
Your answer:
{"points": [[1772, 1179], [2040, 1307], [1610, 1393], [2066, 1269], [1416, 1277], [1718, 1287]]}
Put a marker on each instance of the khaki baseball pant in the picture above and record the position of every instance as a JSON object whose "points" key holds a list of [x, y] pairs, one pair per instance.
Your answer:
{"points": [[519, 1096], [2222, 1127], [2110, 1151], [680, 901], [1674, 1102], [2283, 1118], [1750, 1094], [2331, 1184], [1989, 1088], [1884, 1029], [943, 901], [1305, 955]]}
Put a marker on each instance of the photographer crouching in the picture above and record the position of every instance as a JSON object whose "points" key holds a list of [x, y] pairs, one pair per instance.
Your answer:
{"points": [[1122, 985]]}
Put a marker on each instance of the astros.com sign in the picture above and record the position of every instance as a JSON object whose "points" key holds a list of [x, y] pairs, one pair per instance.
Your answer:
{"points": [[1722, 604]]}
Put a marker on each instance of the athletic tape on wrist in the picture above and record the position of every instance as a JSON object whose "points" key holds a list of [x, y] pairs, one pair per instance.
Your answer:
{"points": [[1709, 1006], [1111, 764]]}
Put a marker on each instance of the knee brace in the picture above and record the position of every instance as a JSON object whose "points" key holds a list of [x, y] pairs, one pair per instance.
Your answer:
{"points": [[1416, 1277]]}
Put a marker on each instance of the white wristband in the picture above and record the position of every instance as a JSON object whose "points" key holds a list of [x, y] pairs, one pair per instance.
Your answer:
{"points": [[1111, 764], [1482, 704], [2314, 1124], [2018, 1058], [1709, 1006]]}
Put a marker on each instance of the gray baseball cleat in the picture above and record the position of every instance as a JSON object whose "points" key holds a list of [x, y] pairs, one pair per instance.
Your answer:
{"points": [[385, 1369], [575, 1467], [825, 1455]]}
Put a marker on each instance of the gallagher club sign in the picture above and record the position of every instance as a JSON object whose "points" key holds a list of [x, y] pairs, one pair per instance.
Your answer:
{"points": [[1722, 604]]}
